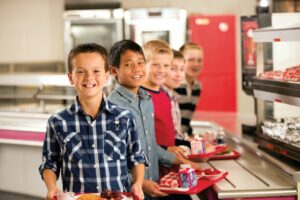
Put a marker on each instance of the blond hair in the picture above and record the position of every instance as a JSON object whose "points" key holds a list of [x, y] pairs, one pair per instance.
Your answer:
{"points": [[189, 45], [156, 47]]}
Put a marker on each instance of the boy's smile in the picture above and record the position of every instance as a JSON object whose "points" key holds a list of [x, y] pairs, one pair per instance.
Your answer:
{"points": [[193, 62]]}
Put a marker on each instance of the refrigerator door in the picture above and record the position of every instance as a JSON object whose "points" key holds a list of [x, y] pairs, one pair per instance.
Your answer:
{"points": [[216, 34]]}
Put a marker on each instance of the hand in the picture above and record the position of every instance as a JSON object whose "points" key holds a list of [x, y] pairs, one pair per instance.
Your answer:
{"points": [[177, 150], [52, 192], [137, 191], [152, 189]]}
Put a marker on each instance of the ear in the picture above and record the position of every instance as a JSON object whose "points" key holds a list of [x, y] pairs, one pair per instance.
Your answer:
{"points": [[70, 78], [113, 70], [107, 75]]}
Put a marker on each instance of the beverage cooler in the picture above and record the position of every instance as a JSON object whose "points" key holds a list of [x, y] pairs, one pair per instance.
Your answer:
{"points": [[277, 90]]}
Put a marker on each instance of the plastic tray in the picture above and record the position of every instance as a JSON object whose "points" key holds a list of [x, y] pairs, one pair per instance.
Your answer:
{"points": [[233, 154], [127, 194], [202, 184]]}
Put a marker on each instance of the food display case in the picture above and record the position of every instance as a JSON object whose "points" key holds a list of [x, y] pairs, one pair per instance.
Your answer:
{"points": [[34, 92], [277, 95]]}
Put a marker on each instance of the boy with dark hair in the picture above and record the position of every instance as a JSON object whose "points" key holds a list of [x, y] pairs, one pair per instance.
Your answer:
{"points": [[127, 64], [92, 143]]}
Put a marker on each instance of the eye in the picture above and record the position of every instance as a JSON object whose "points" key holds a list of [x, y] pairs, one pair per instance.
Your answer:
{"points": [[141, 63], [79, 72]]}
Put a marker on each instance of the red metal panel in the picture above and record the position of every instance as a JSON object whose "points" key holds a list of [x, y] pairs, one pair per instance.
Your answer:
{"points": [[216, 34]]}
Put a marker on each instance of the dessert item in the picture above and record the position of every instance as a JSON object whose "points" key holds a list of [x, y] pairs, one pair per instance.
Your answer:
{"points": [[169, 180]]}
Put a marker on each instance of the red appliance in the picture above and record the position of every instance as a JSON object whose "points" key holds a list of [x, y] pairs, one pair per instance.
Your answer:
{"points": [[216, 34]]}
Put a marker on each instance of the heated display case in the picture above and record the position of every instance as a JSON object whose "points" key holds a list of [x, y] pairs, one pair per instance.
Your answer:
{"points": [[278, 100]]}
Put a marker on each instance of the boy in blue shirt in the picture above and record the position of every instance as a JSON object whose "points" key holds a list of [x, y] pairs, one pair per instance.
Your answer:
{"points": [[93, 142], [127, 64]]}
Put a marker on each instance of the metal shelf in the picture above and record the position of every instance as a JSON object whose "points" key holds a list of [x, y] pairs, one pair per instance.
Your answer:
{"points": [[278, 91], [60, 80], [270, 34]]}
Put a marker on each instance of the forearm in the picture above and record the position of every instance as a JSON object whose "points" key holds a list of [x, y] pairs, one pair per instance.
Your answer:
{"points": [[138, 173], [49, 178]]}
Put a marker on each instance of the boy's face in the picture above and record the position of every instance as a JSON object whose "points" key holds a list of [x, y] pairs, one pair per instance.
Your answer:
{"points": [[193, 62], [132, 70], [88, 75], [157, 68], [176, 74]]}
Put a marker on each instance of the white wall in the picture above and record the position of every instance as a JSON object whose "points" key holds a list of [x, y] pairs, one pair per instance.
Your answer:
{"points": [[31, 31]]}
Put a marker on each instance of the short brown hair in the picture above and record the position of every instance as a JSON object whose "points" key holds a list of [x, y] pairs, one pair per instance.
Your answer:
{"points": [[156, 47], [177, 55], [88, 48], [189, 45]]}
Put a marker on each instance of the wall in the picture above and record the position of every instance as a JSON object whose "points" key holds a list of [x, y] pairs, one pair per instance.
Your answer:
{"points": [[237, 7], [31, 31]]}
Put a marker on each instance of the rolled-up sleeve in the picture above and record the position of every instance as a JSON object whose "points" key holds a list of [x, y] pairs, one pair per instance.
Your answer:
{"points": [[135, 153], [51, 151], [164, 157]]}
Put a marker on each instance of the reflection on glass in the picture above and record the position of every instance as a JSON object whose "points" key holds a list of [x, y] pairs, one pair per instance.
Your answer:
{"points": [[103, 34], [155, 35]]}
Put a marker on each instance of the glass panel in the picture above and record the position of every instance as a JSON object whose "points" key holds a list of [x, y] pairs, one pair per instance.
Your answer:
{"points": [[155, 35], [103, 34]]}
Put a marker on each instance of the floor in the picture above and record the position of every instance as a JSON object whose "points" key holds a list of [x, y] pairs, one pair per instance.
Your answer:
{"points": [[12, 196]]}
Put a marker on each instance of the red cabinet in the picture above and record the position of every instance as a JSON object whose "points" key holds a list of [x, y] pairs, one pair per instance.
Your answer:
{"points": [[217, 35]]}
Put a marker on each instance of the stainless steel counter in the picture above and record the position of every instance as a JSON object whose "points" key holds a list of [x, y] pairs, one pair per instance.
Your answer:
{"points": [[255, 174]]}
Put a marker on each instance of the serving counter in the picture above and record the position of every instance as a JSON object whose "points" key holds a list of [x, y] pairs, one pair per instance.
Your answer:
{"points": [[255, 174]]}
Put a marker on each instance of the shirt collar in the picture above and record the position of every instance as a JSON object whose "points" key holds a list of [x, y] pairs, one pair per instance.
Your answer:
{"points": [[128, 95], [76, 107]]}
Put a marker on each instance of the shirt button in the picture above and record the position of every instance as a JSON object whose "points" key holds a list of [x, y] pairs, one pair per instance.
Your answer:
{"points": [[150, 179], [146, 132], [149, 148], [152, 114], [93, 145], [97, 187], [95, 166], [149, 164]]}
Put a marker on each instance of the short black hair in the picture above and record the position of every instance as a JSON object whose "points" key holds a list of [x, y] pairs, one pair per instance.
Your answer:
{"points": [[88, 48], [120, 48]]}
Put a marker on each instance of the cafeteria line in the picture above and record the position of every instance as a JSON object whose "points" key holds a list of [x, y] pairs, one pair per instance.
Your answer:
{"points": [[250, 81]]}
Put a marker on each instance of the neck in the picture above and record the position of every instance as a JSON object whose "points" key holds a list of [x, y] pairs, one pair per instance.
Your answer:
{"points": [[91, 106], [190, 80], [151, 86]]}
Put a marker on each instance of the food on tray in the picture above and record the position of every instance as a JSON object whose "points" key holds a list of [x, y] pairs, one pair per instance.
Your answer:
{"points": [[210, 173], [290, 74], [108, 194], [90, 197]]}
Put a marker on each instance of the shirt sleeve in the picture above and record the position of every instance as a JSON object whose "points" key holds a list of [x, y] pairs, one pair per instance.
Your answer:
{"points": [[164, 157], [135, 153], [51, 152]]}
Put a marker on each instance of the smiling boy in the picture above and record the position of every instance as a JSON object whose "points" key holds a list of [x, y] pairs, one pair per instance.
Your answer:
{"points": [[92, 143]]}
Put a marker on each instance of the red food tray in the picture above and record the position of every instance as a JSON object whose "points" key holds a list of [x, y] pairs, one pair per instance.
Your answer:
{"points": [[127, 194], [218, 149], [202, 184], [233, 154]]}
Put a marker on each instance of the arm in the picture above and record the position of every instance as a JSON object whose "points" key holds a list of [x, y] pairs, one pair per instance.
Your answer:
{"points": [[138, 173], [50, 167], [152, 189], [50, 180]]}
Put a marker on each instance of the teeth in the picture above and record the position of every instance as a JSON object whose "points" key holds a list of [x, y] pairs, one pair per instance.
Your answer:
{"points": [[89, 85], [136, 77]]}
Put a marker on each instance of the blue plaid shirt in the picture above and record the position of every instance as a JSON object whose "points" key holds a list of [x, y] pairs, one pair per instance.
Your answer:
{"points": [[92, 155]]}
